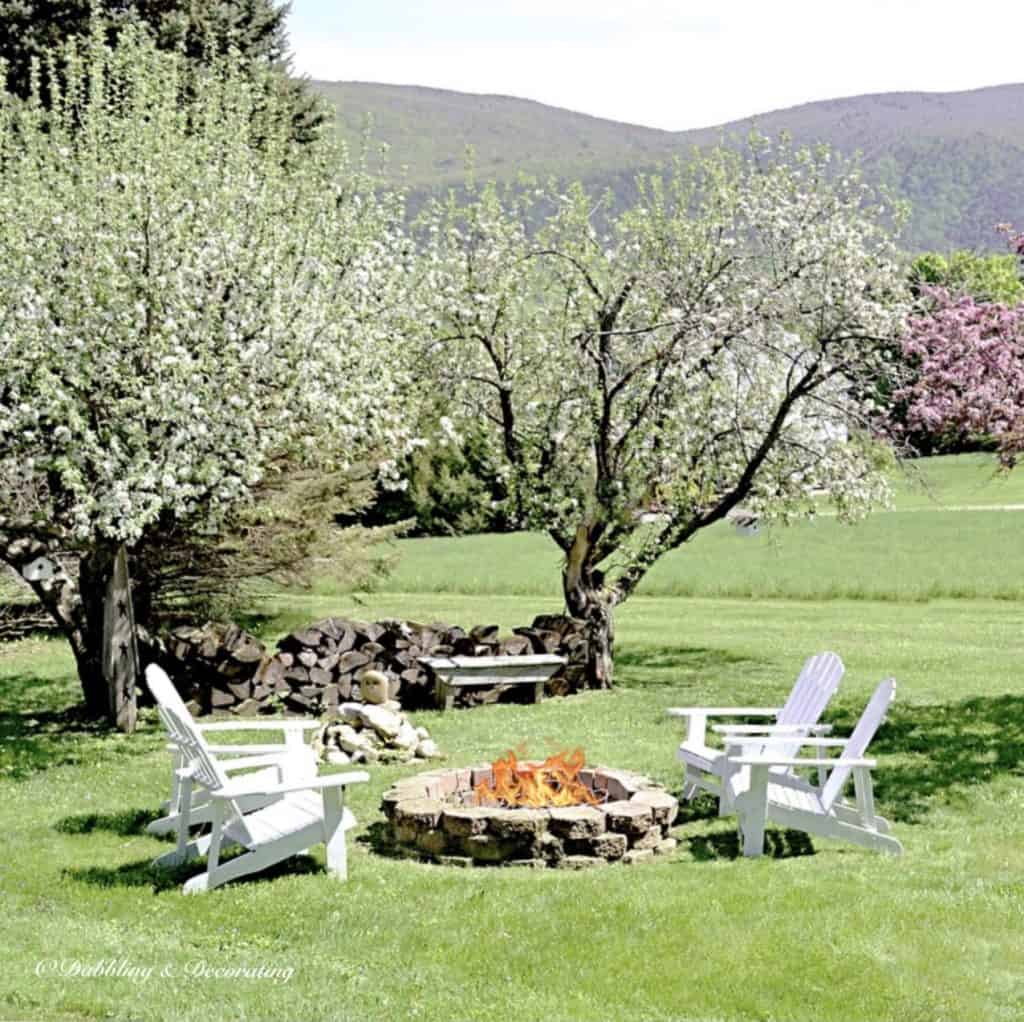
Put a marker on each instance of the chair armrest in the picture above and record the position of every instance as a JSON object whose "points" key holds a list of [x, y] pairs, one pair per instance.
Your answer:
{"points": [[308, 784], [723, 711], [796, 761], [814, 743], [759, 729], [249, 762], [771, 729], [282, 724], [250, 750]]}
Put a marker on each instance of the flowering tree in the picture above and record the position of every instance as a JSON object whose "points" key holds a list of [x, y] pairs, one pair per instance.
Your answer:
{"points": [[183, 312], [711, 346], [969, 360]]}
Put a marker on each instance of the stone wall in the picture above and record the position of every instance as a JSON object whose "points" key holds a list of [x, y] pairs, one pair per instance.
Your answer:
{"points": [[315, 669]]}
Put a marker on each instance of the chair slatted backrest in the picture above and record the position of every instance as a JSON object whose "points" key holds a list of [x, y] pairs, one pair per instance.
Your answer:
{"points": [[183, 731], [816, 684], [870, 721]]}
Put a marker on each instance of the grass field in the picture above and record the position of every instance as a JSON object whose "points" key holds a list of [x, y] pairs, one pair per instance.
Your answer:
{"points": [[816, 931], [926, 547]]}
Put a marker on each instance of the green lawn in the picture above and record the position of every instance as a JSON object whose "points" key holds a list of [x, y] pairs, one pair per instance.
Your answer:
{"points": [[920, 550], [816, 931]]}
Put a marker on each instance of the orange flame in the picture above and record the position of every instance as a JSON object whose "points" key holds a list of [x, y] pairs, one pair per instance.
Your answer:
{"points": [[555, 782]]}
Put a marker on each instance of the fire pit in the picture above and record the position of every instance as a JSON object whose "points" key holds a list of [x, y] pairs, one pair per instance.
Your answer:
{"points": [[551, 814]]}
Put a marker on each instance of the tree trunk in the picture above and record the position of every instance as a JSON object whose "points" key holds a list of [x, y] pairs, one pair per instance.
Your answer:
{"points": [[94, 574], [76, 607], [586, 598]]}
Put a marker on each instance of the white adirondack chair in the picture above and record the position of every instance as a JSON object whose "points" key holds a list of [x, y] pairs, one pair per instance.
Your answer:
{"points": [[308, 810], [760, 794], [297, 759], [707, 766]]}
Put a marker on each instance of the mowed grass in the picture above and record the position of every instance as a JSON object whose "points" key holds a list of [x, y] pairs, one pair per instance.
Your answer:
{"points": [[814, 932], [927, 547]]}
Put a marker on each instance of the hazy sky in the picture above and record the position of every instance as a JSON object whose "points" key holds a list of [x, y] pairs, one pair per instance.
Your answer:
{"points": [[666, 63]]}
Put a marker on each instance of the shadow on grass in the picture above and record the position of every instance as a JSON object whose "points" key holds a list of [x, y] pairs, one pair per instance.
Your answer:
{"points": [[126, 823], [37, 740], [930, 750], [377, 838], [704, 807], [695, 660], [143, 873], [778, 844]]}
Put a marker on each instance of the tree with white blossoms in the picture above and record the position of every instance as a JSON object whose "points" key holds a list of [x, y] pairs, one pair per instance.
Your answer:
{"points": [[188, 303], [715, 345]]}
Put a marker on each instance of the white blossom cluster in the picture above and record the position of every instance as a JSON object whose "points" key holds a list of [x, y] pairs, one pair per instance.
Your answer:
{"points": [[718, 342], [187, 300]]}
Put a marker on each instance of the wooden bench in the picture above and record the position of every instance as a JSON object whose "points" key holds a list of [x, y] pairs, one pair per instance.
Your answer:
{"points": [[455, 672]]}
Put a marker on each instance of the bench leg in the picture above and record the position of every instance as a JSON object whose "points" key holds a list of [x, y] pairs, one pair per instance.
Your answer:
{"points": [[538, 691], [444, 695]]}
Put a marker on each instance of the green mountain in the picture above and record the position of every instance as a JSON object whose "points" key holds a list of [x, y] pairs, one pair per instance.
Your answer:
{"points": [[958, 157]]}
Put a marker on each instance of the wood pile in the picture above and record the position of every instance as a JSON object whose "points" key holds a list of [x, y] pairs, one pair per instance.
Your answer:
{"points": [[20, 620], [316, 669]]}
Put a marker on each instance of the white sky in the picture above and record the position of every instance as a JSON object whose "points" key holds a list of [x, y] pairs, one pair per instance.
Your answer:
{"points": [[661, 63]]}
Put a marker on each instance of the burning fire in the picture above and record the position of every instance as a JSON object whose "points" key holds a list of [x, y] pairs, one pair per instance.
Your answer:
{"points": [[555, 782]]}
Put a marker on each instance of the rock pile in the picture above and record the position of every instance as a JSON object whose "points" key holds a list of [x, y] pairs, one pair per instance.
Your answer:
{"points": [[374, 731], [316, 669]]}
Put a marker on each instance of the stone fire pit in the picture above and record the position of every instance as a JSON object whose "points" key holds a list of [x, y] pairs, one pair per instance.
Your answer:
{"points": [[434, 816]]}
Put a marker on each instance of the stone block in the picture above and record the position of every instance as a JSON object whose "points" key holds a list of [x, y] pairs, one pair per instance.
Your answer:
{"points": [[488, 848], [576, 822], [517, 824], [621, 786], [605, 846], [465, 822], [424, 813], [651, 839], [664, 807], [551, 847], [629, 818], [637, 855], [666, 846], [581, 862]]}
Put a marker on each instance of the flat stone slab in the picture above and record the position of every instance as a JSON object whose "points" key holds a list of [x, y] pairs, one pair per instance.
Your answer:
{"points": [[663, 806], [466, 822], [575, 822], [629, 817], [517, 823], [425, 812]]}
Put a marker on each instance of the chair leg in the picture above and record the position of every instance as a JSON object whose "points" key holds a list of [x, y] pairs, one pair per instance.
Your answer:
{"points": [[334, 831], [692, 783], [193, 850], [214, 875], [753, 809]]}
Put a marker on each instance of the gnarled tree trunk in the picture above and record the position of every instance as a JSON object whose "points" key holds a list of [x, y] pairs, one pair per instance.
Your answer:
{"points": [[77, 607], [588, 599]]}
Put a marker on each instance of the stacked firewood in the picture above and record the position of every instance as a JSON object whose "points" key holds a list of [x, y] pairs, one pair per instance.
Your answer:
{"points": [[20, 620], [316, 669]]}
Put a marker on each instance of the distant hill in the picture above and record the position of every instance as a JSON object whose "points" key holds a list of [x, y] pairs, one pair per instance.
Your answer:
{"points": [[958, 157]]}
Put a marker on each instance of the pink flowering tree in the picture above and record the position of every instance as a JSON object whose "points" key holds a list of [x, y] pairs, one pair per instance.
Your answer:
{"points": [[970, 364]]}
